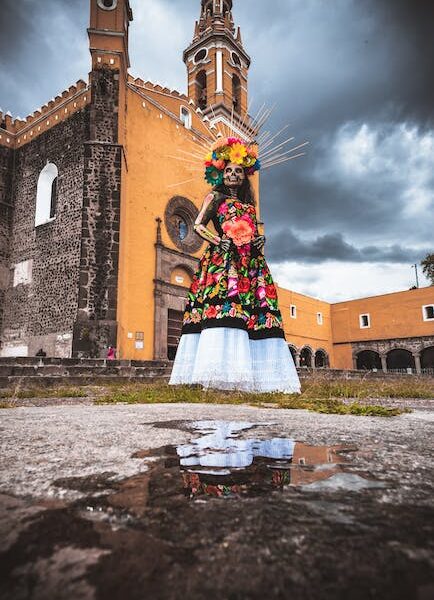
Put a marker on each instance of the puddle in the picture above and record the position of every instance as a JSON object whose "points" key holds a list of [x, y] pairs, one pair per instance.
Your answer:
{"points": [[226, 460], [222, 462]]}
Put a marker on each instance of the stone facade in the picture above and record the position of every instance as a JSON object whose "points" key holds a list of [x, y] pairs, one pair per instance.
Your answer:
{"points": [[96, 327], [414, 345], [40, 312], [64, 298], [6, 170], [168, 296]]}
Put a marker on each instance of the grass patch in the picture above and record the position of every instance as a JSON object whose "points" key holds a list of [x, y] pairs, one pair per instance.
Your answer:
{"points": [[164, 394], [4, 404], [46, 393], [365, 389]]}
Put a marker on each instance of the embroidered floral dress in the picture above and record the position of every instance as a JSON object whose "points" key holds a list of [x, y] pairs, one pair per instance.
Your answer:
{"points": [[234, 289], [232, 336]]}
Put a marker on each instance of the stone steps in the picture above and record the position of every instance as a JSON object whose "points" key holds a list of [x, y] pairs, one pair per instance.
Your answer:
{"points": [[39, 372]]}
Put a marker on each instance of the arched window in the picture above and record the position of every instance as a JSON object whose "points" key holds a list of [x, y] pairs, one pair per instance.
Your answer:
{"points": [[185, 116], [201, 90], [236, 93], [46, 195], [209, 8]]}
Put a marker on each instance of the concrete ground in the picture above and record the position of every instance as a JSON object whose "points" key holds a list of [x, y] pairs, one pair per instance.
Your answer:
{"points": [[93, 504]]}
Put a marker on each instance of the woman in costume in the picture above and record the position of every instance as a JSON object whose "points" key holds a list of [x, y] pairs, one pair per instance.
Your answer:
{"points": [[232, 336]]}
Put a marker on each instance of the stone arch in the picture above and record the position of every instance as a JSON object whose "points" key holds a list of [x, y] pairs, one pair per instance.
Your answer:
{"points": [[400, 359], [306, 356], [368, 360], [181, 275], [427, 358], [201, 90], [46, 195], [321, 359], [293, 351]]}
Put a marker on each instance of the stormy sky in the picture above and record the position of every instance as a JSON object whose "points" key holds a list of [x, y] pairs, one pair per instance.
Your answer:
{"points": [[354, 77]]}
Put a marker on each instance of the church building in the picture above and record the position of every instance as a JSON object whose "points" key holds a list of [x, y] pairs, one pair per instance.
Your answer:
{"points": [[97, 246]]}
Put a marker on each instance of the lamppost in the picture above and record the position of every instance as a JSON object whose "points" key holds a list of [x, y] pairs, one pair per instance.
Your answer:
{"points": [[417, 276]]}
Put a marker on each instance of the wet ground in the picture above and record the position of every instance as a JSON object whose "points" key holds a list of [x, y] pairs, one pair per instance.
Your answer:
{"points": [[188, 501]]}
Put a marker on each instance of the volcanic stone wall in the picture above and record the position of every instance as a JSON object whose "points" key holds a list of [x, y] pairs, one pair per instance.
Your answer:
{"points": [[6, 172], [96, 327], [40, 313]]}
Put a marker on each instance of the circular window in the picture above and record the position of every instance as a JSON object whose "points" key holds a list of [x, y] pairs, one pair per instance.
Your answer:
{"points": [[200, 56], [236, 59], [107, 4], [179, 218]]}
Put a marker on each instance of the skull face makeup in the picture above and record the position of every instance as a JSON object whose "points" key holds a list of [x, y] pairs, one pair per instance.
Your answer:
{"points": [[233, 176]]}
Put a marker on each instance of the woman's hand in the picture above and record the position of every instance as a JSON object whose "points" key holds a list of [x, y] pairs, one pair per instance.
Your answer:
{"points": [[225, 244], [259, 243]]}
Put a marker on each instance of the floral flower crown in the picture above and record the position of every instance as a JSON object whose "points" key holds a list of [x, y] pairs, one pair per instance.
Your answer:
{"points": [[230, 150]]}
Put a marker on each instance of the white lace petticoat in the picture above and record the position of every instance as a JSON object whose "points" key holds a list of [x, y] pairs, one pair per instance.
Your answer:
{"points": [[225, 358]]}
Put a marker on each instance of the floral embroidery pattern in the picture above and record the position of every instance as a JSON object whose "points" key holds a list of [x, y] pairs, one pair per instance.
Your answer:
{"points": [[236, 286]]}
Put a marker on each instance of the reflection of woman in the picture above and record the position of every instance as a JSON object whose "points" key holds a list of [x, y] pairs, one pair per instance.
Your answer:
{"points": [[232, 336]]}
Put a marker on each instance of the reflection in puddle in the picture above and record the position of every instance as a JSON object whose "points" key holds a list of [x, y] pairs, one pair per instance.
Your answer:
{"points": [[218, 463]]}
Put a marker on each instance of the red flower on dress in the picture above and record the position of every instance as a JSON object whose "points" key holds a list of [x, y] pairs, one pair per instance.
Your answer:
{"points": [[244, 261], [243, 285], [217, 259], [194, 286], [211, 312], [239, 230], [252, 321], [209, 279], [270, 290]]}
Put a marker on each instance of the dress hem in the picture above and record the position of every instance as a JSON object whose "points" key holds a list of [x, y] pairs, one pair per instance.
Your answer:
{"points": [[234, 323]]}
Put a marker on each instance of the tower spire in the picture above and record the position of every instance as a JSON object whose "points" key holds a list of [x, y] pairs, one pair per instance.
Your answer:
{"points": [[217, 64]]}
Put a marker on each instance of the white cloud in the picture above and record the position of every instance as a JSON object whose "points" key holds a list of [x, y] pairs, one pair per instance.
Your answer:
{"points": [[337, 281], [391, 166]]}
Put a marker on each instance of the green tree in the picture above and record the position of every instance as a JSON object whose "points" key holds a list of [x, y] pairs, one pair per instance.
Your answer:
{"points": [[427, 265]]}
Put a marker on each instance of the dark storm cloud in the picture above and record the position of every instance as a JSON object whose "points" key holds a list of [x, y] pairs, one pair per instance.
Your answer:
{"points": [[337, 70], [43, 50], [288, 246], [334, 63]]}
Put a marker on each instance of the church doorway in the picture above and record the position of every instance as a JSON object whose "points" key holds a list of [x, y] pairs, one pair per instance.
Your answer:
{"points": [[174, 327]]}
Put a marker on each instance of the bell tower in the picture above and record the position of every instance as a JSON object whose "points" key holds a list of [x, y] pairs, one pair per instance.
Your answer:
{"points": [[217, 65], [108, 33]]}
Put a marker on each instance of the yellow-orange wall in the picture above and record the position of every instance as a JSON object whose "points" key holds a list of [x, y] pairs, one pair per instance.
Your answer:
{"points": [[304, 330], [397, 315], [152, 136]]}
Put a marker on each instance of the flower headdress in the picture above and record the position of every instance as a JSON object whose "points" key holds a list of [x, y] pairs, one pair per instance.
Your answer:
{"points": [[223, 147], [227, 150]]}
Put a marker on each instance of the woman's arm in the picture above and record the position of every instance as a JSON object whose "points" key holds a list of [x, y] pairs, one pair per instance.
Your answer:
{"points": [[203, 218]]}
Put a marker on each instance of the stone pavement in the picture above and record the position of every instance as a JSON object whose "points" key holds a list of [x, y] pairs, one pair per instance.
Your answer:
{"points": [[93, 504]]}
